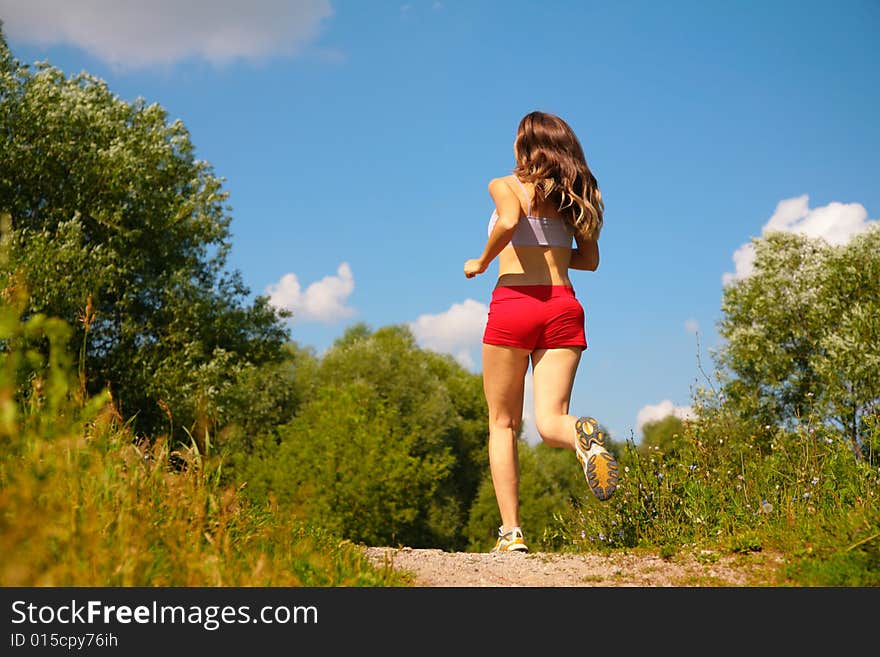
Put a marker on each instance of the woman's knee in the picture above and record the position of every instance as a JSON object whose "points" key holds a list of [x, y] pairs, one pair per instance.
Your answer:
{"points": [[503, 425], [548, 425]]}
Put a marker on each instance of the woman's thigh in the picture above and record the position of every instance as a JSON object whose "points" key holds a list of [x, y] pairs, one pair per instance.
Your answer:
{"points": [[553, 377], [504, 372]]}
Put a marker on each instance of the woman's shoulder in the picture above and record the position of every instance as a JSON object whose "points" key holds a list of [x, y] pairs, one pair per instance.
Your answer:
{"points": [[502, 185]]}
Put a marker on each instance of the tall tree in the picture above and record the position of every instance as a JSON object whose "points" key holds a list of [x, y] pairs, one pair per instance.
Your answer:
{"points": [[383, 423], [111, 209], [802, 333]]}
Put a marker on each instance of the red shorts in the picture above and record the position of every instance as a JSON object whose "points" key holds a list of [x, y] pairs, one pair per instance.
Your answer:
{"points": [[535, 317]]}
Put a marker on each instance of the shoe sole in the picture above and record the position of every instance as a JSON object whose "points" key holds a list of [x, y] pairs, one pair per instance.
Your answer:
{"points": [[513, 548], [599, 466]]}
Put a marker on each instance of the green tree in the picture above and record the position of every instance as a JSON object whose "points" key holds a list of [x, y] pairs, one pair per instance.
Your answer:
{"points": [[802, 334], [848, 359], [112, 210], [421, 409], [351, 464]]}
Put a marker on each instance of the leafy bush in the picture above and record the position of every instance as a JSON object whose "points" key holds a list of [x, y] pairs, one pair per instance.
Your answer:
{"points": [[387, 447]]}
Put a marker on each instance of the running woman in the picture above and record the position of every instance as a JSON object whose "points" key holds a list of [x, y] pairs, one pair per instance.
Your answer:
{"points": [[547, 219]]}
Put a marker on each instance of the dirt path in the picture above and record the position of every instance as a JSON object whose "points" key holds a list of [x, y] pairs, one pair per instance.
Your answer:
{"points": [[465, 569]]}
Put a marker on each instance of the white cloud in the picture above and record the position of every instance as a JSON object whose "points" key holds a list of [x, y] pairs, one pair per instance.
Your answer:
{"points": [[692, 326], [836, 223], [322, 301], [457, 331], [137, 34], [743, 262], [653, 412]]}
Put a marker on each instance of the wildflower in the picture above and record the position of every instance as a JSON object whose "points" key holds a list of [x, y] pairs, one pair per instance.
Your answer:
{"points": [[814, 481], [806, 495], [692, 467], [660, 476], [767, 426], [626, 468], [583, 534], [809, 394], [828, 440], [766, 507], [601, 536]]}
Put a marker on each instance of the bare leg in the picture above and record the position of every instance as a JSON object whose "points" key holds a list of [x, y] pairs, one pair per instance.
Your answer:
{"points": [[553, 371], [553, 374], [504, 371]]}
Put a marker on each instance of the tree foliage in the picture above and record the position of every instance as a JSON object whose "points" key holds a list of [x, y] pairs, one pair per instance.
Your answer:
{"points": [[110, 207], [385, 425], [802, 334]]}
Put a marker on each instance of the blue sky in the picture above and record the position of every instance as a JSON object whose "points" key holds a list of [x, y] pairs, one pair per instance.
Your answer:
{"points": [[357, 140]]}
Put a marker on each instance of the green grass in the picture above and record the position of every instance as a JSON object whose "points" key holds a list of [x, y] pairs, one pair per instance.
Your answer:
{"points": [[805, 495], [83, 502], [101, 510]]}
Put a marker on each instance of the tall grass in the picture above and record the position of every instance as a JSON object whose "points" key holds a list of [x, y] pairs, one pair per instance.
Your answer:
{"points": [[804, 494], [83, 502]]}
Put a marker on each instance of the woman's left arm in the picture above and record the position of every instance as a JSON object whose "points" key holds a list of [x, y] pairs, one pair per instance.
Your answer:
{"points": [[586, 256]]}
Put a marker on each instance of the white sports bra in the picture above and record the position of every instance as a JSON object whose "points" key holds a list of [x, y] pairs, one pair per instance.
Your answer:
{"points": [[536, 231]]}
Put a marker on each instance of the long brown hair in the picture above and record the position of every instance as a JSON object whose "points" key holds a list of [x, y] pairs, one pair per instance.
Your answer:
{"points": [[550, 155]]}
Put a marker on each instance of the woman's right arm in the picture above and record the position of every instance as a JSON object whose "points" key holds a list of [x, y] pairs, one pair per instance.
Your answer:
{"points": [[508, 208]]}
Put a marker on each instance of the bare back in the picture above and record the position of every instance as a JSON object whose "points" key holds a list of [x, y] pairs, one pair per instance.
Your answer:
{"points": [[533, 265]]}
